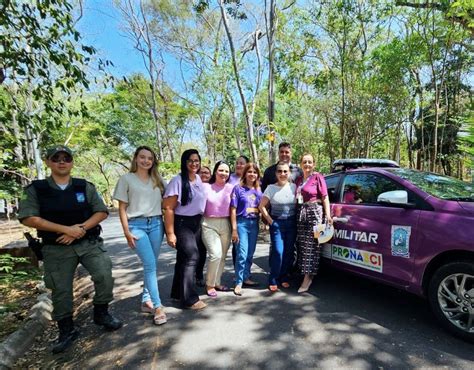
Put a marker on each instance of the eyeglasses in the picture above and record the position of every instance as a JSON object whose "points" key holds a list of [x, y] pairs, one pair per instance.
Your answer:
{"points": [[191, 161], [58, 159], [282, 171]]}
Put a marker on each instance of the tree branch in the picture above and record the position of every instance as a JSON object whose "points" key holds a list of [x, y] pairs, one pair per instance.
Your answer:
{"points": [[4, 170]]}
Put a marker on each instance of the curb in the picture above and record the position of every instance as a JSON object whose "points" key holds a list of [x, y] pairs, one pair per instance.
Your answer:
{"points": [[17, 343]]}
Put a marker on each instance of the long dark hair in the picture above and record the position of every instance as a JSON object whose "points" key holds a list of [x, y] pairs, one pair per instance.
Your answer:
{"points": [[186, 195], [212, 180]]}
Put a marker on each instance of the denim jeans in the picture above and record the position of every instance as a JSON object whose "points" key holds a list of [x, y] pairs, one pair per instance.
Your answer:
{"points": [[149, 231], [247, 228], [282, 237]]}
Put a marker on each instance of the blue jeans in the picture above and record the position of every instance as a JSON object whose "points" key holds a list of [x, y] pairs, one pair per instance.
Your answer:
{"points": [[247, 228], [149, 231], [283, 237]]}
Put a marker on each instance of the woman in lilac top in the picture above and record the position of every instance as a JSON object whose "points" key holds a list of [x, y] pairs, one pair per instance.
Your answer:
{"points": [[240, 164], [184, 203], [205, 175], [244, 216], [216, 233], [313, 208]]}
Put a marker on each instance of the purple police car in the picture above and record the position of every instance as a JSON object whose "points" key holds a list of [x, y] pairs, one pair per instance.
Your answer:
{"points": [[410, 229]]}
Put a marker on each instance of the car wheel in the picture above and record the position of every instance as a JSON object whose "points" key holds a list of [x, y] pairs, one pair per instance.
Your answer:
{"points": [[451, 296]]}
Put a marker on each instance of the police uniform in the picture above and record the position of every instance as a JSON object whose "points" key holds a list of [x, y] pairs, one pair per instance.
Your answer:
{"points": [[73, 205]]}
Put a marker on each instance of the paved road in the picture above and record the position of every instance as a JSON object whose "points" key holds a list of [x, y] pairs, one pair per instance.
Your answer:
{"points": [[343, 322]]}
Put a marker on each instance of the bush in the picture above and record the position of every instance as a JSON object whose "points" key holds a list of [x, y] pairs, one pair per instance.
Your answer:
{"points": [[8, 267]]}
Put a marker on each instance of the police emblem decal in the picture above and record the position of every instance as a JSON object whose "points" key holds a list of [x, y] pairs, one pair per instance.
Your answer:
{"points": [[80, 197], [400, 241]]}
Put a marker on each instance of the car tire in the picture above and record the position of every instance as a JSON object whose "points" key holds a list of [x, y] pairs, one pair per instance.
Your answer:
{"points": [[451, 296]]}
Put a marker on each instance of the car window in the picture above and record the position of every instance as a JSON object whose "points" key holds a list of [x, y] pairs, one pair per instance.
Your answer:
{"points": [[440, 186], [331, 183], [364, 188]]}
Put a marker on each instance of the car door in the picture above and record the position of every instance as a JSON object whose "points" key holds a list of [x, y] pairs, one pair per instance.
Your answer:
{"points": [[373, 238]]}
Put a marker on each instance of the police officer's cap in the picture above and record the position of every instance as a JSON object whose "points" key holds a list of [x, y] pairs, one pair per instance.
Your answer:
{"points": [[58, 149]]}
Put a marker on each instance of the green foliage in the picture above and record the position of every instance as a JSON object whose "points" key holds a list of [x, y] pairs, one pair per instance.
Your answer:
{"points": [[353, 78], [39, 47], [466, 140], [233, 7], [463, 12], [8, 267]]}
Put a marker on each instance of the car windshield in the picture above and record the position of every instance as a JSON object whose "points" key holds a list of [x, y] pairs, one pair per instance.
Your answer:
{"points": [[440, 186]]}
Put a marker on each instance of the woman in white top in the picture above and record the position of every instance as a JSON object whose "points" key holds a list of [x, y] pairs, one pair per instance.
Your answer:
{"points": [[282, 220], [139, 194]]}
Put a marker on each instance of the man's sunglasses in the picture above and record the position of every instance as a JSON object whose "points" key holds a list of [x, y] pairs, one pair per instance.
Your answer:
{"points": [[282, 171], [58, 158]]}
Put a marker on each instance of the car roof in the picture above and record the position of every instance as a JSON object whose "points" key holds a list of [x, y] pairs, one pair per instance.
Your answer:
{"points": [[354, 163]]}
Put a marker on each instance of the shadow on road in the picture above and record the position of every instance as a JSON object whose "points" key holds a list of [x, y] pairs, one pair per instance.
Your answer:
{"points": [[343, 322]]}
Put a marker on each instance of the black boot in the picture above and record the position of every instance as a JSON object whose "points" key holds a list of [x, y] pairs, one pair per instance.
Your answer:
{"points": [[67, 334], [104, 318]]}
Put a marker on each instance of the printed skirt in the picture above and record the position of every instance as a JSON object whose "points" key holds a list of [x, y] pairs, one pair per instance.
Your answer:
{"points": [[308, 248]]}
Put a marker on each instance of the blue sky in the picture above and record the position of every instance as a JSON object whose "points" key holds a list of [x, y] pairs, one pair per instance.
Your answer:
{"points": [[100, 27]]}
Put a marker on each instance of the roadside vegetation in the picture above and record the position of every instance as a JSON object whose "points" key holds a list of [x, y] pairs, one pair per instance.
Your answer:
{"points": [[18, 292]]}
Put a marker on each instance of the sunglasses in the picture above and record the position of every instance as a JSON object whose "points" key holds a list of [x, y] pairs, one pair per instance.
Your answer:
{"points": [[282, 171], [57, 159]]}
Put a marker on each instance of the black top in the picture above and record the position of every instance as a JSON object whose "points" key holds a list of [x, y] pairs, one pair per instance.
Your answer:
{"points": [[65, 207]]}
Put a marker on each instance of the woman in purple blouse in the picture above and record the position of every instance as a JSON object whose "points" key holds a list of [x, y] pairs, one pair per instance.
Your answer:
{"points": [[313, 208], [184, 203], [234, 179], [244, 217]]}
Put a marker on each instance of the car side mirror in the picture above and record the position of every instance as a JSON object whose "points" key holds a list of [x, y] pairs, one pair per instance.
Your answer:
{"points": [[394, 197]]}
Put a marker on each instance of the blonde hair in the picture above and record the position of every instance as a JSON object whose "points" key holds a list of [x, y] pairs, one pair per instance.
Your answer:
{"points": [[156, 178]]}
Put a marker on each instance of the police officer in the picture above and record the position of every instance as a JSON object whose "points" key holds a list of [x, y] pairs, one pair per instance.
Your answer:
{"points": [[284, 156], [66, 212]]}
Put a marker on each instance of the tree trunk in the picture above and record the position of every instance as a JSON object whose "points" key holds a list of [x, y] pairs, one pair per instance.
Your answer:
{"points": [[166, 119], [421, 156], [32, 138], [271, 81], [235, 121], [248, 118], [342, 128]]}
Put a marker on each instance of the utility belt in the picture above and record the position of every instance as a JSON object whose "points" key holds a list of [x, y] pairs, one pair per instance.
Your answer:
{"points": [[37, 245], [90, 238], [91, 235]]}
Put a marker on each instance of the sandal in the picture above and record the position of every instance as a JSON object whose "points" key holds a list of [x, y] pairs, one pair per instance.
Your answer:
{"points": [[222, 288], [273, 288], [146, 309], [250, 283], [238, 290], [285, 285], [160, 316], [199, 305], [212, 293]]}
